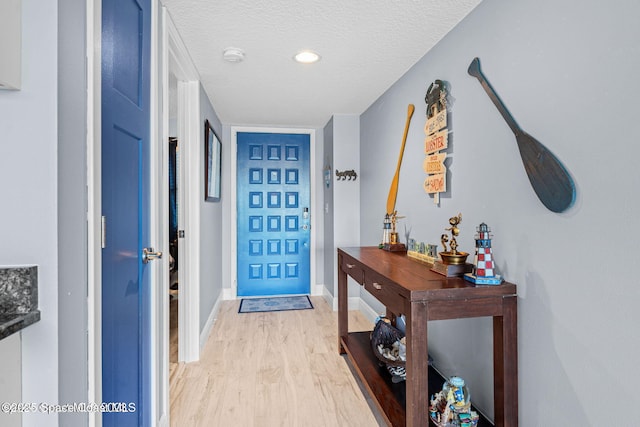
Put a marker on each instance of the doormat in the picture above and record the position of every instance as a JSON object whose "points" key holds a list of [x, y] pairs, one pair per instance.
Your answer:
{"points": [[256, 305]]}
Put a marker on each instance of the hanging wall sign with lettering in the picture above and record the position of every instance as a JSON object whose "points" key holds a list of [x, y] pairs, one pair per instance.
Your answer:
{"points": [[437, 140], [434, 163]]}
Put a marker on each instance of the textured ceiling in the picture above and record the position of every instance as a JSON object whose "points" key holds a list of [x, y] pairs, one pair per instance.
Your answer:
{"points": [[365, 45]]}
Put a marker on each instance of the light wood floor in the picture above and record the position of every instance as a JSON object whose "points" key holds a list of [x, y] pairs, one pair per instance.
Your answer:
{"points": [[271, 369], [173, 332]]}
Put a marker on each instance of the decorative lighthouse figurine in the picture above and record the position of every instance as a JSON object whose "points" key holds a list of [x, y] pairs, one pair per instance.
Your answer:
{"points": [[390, 235], [386, 231], [483, 266]]}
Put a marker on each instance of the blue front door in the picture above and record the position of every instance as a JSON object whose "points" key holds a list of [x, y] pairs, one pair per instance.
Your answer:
{"points": [[125, 159], [273, 206]]}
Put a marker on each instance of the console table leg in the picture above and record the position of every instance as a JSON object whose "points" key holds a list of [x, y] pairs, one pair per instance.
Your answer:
{"points": [[417, 365], [505, 364], [343, 307]]}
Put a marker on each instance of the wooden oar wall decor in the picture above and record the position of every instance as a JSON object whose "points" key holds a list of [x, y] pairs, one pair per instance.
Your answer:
{"points": [[548, 177], [393, 190], [390, 236]]}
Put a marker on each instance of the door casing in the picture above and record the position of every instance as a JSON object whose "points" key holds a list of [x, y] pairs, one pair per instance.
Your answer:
{"points": [[190, 131]]}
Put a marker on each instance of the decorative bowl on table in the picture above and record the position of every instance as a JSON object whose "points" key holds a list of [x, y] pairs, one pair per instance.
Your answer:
{"points": [[387, 344], [453, 258]]}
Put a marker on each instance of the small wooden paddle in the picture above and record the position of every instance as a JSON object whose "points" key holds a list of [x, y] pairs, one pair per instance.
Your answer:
{"points": [[393, 191], [549, 179]]}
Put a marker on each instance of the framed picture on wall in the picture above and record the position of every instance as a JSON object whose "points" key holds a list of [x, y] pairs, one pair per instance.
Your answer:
{"points": [[212, 163]]}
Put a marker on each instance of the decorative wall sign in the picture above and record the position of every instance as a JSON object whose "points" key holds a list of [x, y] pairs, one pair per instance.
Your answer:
{"points": [[435, 184], [435, 163], [436, 122], [437, 140]]}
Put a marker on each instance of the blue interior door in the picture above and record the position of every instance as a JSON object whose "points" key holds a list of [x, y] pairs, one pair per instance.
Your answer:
{"points": [[125, 159], [273, 205]]}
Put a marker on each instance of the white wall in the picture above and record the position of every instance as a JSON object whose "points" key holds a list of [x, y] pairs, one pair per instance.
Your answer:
{"points": [[28, 172], [568, 74]]}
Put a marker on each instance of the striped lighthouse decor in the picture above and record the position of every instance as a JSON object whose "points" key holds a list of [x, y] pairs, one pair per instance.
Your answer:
{"points": [[483, 266], [483, 261]]}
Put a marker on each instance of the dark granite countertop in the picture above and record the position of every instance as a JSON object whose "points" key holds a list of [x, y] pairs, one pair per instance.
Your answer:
{"points": [[18, 299], [11, 323]]}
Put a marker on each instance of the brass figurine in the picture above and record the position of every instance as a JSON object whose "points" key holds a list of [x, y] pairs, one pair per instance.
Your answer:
{"points": [[452, 256], [394, 233], [455, 231], [444, 239]]}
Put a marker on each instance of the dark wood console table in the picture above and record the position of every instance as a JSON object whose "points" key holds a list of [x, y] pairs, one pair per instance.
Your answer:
{"points": [[408, 287]]}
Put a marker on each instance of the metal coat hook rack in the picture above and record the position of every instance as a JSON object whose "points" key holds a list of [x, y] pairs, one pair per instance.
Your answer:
{"points": [[350, 175]]}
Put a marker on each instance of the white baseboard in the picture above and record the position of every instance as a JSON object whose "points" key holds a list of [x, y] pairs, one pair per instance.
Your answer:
{"points": [[327, 297], [367, 311], [227, 294], [164, 421], [204, 335], [354, 303]]}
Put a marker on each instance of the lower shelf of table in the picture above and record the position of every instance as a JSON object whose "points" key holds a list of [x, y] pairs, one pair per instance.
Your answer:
{"points": [[390, 397]]}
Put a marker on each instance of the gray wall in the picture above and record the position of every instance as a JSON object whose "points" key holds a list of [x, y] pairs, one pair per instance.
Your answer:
{"points": [[568, 73], [72, 210], [211, 240]]}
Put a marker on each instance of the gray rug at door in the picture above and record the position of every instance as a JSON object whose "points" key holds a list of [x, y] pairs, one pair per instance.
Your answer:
{"points": [[255, 305]]}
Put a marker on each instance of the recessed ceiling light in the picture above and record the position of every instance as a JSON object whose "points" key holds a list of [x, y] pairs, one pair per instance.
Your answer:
{"points": [[233, 54], [306, 57]]}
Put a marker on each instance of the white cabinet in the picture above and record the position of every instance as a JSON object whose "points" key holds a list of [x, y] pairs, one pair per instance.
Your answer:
{"points": [[10, 377], [10, 43]]}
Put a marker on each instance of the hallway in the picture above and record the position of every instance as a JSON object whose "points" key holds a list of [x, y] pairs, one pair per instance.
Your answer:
{"points": [[271, 369]]}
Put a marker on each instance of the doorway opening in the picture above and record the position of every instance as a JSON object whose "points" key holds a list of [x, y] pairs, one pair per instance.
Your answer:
{"points": [[174, 252]]}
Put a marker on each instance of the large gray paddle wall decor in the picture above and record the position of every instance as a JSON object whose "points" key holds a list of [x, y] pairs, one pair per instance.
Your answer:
{"points": [[549, 178]]}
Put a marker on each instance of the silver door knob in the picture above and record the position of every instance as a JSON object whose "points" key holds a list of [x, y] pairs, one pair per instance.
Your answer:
{"points": [[148, 254]]}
